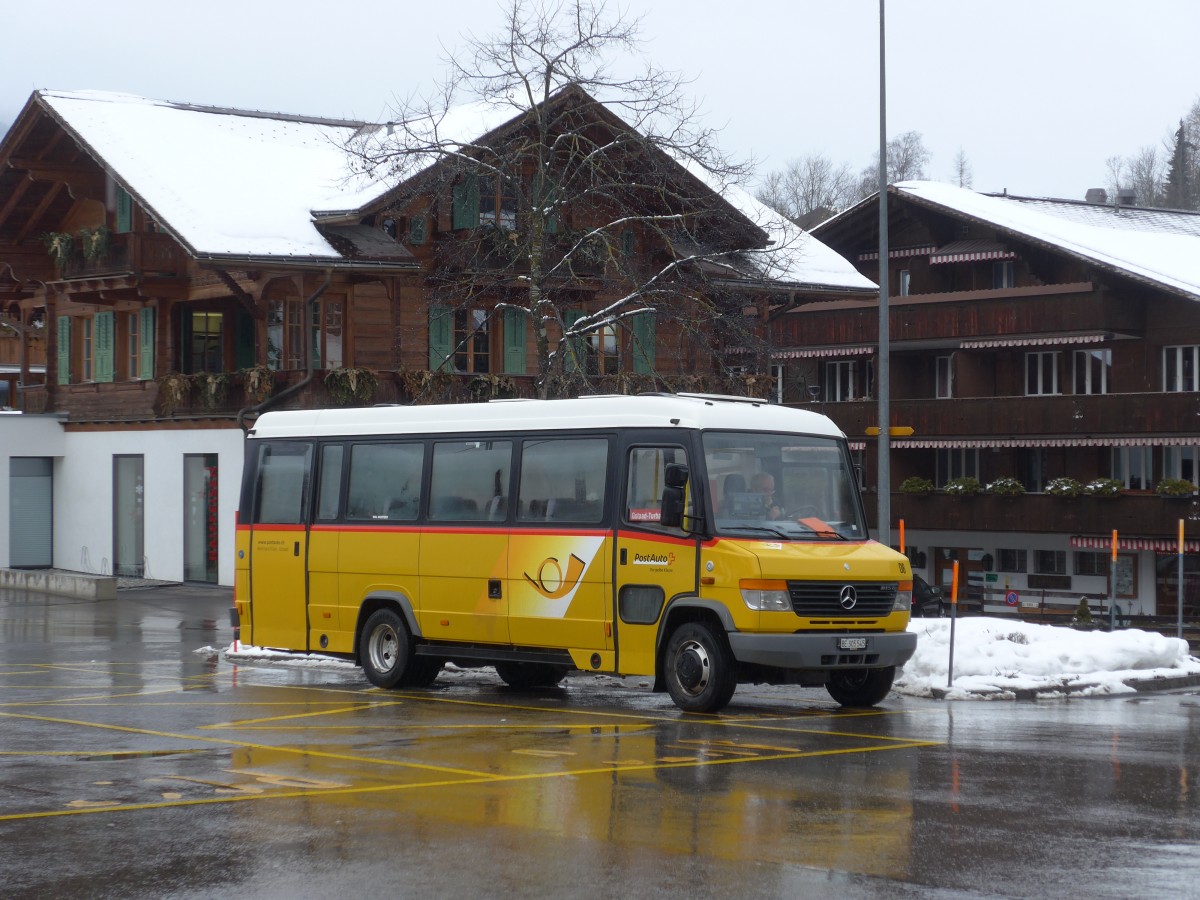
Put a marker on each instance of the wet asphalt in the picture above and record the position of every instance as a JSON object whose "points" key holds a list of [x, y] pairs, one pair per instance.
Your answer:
{"points": [[138, 760]]}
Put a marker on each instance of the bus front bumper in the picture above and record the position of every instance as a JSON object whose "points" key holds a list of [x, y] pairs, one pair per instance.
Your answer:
{"points": [[833, 650]]}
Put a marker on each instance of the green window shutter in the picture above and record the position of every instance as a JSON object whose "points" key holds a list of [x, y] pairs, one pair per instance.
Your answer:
{"points": [[104, 335], [441, 338], [514, 341], [642, 343], [465, 207], [64, 349], [416, 230], [575, 349], [124, 211], [146, 343]]}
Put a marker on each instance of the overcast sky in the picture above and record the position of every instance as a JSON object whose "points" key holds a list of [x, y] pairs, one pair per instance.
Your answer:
{"points": [[1037, 93]]}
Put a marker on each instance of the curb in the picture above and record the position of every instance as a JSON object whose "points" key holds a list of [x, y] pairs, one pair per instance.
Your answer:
{"points": [[1140, 685]]}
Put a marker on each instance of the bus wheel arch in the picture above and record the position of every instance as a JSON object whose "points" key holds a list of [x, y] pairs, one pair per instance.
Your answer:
{"points": [[695, 663], [384, 646]]}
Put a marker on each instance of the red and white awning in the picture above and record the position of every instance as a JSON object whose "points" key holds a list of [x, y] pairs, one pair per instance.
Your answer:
{"points": [[1159, 545], [812, 352], [900, 252], [1100, 441], [1044, 341], [971, 251]]}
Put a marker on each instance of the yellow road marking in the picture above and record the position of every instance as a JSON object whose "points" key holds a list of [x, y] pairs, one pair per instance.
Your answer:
{"points": [[224, 742], [490, 779]]}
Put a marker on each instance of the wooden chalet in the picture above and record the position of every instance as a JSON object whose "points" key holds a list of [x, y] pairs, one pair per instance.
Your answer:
{"points": [[1030, 339], [168, 270]]}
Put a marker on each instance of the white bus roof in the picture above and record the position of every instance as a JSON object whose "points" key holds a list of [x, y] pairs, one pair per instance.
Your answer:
{"points": [[693, 411]]}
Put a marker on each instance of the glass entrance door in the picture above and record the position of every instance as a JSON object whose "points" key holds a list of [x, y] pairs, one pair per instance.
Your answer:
{"points": [[200, 536], [129, 514]]}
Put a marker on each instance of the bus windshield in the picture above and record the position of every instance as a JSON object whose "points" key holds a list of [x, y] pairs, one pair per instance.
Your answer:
{"points": [[782, 486]]}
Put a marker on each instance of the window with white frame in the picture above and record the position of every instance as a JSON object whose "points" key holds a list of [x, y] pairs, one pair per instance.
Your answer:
{"points": [[1181, 462], [1041, 373], [945, 377], [905, 282], [1131, 466], [841, 380], [1004, 274], [1180, 365], [956, 462], [1092, 370]]}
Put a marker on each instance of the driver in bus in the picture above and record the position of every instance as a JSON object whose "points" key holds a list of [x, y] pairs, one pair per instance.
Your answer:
{"points": [[763, 484]]}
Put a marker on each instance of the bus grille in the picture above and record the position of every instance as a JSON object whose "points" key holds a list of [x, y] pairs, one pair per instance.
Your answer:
{"points": [[829, 598]]}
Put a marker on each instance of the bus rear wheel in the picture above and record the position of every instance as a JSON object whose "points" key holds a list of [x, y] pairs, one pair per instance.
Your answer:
{"points": [[699, 668], [860, 687], [384, 648], [530, 675]]}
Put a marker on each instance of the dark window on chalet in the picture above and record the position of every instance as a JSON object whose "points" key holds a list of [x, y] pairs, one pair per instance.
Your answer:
{"points": [[1090, 563], [472, 340], [1016, 561], [905, 282], [497, 205], [388, 227], [1050, 562], [1041, 373], [1004, 274]]}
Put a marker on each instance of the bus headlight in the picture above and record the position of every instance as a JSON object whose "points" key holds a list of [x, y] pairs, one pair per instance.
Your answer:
{"points": [[766, 595], [903, 597]]}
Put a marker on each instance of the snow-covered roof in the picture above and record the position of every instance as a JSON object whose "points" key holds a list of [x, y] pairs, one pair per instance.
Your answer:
{"points": [[225, 182], [239, 183], [1154, 245]]}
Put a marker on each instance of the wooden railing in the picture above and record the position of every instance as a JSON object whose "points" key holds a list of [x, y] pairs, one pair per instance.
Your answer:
{"points": [[1063, 415]]}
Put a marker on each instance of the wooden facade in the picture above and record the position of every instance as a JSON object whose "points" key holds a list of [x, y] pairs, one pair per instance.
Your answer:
{"points": [[113, 319], [1012, 355]]}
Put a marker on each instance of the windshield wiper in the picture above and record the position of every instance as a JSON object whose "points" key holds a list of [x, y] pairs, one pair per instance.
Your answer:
{"points": [[766, 528]]}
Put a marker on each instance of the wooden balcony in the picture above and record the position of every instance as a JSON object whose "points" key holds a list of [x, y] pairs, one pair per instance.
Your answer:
{"points": [[1141, 514], [1078, 415], [144, 253]]}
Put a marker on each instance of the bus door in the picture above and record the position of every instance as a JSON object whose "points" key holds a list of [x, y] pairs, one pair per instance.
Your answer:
{"points": [[464, 546], [654, 564], [279, 546], [559, 563]]}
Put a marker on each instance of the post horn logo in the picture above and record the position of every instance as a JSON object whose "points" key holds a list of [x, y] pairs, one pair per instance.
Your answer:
{"points": [[550, 581]]}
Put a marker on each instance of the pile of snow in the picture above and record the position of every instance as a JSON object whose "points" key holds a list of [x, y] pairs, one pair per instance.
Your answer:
{"points": [[995, 658]]}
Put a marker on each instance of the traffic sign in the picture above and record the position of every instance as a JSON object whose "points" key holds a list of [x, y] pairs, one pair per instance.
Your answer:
{"points": [[1011, 598]]}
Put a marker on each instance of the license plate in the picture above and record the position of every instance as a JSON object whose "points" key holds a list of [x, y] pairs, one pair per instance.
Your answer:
{"points": [[852, 643]]}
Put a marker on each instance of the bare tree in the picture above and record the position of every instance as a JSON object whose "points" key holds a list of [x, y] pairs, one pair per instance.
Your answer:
{"points": [[806, 185], [566, 168], [907, 157], [963, 175], [1145, 174]]}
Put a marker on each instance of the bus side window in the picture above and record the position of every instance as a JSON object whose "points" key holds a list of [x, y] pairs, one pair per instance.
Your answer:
{"points": [[470, 481], [284, 473], [329, 493], [385, 481], [645, 483], [563, 480]]}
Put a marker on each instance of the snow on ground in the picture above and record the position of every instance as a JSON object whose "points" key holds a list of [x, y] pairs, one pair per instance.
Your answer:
{"points": [[994, 659], [997, 658]]}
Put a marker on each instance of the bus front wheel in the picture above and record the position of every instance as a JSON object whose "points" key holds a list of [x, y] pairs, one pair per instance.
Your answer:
{"points": [[384, 648], [860, 687], [699, 668]]}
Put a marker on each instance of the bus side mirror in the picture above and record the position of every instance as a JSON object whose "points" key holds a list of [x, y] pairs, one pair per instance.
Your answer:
{"points": [[671, 513]]}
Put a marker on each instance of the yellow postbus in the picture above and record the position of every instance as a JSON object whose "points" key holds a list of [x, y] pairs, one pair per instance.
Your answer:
{"points": [[702, 541]]}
